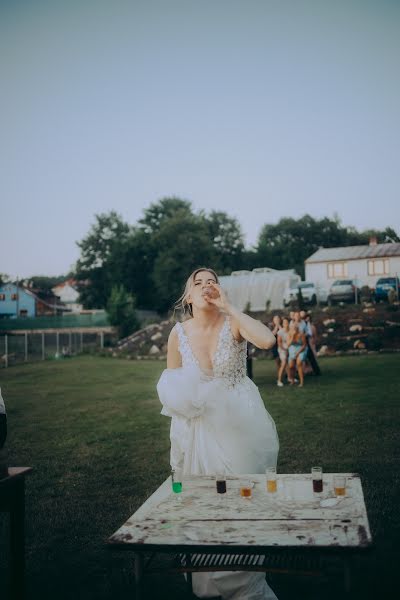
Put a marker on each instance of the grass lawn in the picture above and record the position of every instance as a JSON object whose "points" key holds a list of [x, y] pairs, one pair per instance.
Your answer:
{"points": [[91, 429]]}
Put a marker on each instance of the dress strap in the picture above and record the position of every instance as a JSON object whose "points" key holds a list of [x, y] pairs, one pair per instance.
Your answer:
{"points": [[184, 345], [179, 330]]}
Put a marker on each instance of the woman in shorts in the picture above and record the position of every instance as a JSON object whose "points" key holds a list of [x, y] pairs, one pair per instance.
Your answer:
{"points": [[282, 339], [297, 345], [275, 327]]}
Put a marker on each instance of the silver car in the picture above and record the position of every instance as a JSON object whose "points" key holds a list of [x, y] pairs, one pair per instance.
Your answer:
{"points": [[311, 293], [345, 290]]}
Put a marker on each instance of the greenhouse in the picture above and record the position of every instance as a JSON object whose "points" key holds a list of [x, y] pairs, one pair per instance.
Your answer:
{"points": [[260, 289]]}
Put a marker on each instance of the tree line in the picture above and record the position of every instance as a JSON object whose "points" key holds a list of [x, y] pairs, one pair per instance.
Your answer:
{"points": [[122, 267], [146, 264]]}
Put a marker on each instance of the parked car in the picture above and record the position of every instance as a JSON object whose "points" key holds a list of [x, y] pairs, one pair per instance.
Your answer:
{"points": [[310, 292], [383, 285], [345, 290]]}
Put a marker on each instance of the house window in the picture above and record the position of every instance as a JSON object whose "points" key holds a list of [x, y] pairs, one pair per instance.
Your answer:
{"points": [[2, 297], [379, 266], [23, 312], [337, 269], [14, 296]]}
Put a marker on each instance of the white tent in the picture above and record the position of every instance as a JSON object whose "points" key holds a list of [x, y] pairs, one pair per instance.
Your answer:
{"points": [[252, 290]]}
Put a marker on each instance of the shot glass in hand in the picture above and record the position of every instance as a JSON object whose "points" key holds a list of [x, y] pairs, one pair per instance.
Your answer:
{"points": [[210, 292], [316, 475], [339, 485], [271, 480]]}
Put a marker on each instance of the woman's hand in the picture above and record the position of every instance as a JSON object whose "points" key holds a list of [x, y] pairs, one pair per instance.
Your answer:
{"points": [[217, 296]]}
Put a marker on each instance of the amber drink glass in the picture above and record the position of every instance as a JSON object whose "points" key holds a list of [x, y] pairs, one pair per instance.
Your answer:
{"points": [[246, 489], [339, 485], [270, 474]]}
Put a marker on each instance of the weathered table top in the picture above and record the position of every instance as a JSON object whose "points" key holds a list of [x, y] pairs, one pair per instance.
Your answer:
{"points": [[292, 517]]}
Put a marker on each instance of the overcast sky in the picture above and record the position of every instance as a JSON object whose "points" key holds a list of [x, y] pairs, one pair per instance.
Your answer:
{"points": [[260, 108]]}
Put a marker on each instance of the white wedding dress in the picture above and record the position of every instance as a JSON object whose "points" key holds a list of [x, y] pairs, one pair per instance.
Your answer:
{"points": [[219, 425]]}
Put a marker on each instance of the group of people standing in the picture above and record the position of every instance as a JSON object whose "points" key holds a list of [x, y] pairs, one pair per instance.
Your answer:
{"points": [[295, 349]]}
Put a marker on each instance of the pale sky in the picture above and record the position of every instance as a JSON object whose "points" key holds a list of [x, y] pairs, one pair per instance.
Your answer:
{"points": [[259, 108]]}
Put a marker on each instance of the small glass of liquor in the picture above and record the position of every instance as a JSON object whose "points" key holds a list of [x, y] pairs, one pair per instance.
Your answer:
{"points": [[317, 483], [220, 483], [176, 477], [210, 292], [339, 485], [246, 489], [271, 480]]}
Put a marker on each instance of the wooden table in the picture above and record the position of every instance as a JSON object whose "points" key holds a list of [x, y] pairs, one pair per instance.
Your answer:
{"points": [[12, 500], [207, 532]]}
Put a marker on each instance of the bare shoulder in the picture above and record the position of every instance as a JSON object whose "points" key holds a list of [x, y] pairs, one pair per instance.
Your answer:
{"points": [[173, 336]]}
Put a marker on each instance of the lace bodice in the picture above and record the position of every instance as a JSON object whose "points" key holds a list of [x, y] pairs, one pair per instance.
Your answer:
{"points": [[229, 360]]}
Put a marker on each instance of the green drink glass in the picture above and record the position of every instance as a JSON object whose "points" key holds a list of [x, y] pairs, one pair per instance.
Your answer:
{"points": [[176, 477]]}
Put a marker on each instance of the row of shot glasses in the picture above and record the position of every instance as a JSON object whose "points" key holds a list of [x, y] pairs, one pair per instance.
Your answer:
{"points": [[246, 486]]}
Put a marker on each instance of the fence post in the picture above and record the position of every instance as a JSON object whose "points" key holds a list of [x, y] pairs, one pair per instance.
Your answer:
{"points": [[70, 341], [81, 342], [58, 344], [26, 346], [102, 339], [43, 352], [6, 350]]}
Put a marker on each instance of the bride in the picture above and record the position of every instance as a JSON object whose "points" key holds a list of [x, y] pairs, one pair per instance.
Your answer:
{"points": [[218, 420]]}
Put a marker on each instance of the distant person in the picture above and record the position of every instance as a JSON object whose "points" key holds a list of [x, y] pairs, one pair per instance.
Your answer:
{"points": [[283, 351], [275, 326], [311, 337], [299, 318], [297, 345]]}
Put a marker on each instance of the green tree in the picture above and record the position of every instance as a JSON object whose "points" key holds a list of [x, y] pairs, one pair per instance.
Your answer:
{"points": [[390, 236], [121, 311], [227, 240], [160, 212], [183, 245], [132, 264], [45, 283], [180, 240], [288, 243], [93, 269]]}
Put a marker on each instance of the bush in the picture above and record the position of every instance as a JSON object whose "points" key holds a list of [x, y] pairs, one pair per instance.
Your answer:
{"points": [[121, 311]]}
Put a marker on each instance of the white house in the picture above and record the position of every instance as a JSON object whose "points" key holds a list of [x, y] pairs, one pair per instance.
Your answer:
{"points": [[366, 263], [68, 295]]}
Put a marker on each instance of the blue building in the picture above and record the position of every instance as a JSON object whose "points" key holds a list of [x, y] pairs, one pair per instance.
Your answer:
{"points": [[16, 301]]}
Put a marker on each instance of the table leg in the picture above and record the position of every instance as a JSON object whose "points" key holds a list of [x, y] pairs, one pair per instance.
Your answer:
{"points": [[17, 541], [189, 574], [138, 571], [347, 577]]}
